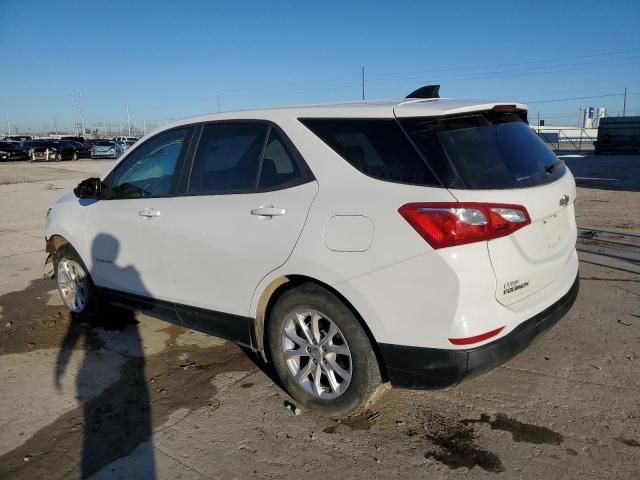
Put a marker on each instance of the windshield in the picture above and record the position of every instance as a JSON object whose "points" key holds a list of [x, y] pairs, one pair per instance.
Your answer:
{"points": [[104, 144], [484, 150]]}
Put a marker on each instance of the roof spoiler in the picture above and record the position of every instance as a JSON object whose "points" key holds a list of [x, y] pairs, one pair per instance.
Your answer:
{"points": [[428, 91]]}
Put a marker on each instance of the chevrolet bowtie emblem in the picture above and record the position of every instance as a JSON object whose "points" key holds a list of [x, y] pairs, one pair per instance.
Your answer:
{"points": [[564, 200]]}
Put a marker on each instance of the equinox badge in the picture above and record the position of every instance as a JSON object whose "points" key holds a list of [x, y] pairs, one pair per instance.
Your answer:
{"points": [[564, 200]]}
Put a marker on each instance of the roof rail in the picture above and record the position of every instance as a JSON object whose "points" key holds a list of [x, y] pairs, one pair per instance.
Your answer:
{"points": [[428, 91]]}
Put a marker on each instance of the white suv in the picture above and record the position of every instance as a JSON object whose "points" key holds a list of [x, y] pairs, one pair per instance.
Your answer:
{"points": [[417, 242]]}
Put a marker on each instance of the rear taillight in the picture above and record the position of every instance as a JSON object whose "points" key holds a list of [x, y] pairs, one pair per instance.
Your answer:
{"points": [[456, 223]]}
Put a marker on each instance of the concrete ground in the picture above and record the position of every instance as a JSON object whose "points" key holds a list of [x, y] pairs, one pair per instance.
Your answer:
{"points": [[133, 397]]}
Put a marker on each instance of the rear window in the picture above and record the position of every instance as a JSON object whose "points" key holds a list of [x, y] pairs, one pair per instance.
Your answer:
{"points": [[378, 148], [486, 150]]}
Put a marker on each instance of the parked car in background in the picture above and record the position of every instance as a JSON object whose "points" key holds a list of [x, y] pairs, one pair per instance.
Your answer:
{"points": [[83, 150], [126, 139], [107, 149], [74, 139], [51, 150], [421, 241], [18, 138], [128, 144], [11, 150]]}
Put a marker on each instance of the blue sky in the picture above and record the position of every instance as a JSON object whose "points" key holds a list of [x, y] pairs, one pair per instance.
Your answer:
{"points": [[171, 59]]}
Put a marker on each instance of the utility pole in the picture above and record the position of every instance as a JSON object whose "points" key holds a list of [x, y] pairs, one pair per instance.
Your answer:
{"points": [[128, 118], [624, 105], [55, 125], [144, 127], [363, 83], [82, 113], [8, 126], [218, 103], [75, 114], [538, 122]]}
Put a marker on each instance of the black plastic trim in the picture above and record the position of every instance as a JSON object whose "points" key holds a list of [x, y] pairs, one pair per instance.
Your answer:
{"points": [[432, 368], [236, 328]]}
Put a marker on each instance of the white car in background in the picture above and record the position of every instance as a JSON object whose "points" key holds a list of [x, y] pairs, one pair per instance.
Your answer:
{"points": [[418, 242], [107, 149], [129, 140]]}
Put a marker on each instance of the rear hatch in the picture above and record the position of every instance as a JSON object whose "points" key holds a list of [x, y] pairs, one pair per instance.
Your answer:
{"points": [[101, 148], [492, 156]]}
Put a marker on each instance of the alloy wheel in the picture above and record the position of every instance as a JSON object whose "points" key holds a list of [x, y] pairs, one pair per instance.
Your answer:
{"points": [[72, 284], [316, 353]]}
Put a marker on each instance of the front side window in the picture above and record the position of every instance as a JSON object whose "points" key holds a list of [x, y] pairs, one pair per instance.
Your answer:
{"points": [[228, 158], [149, 170]]}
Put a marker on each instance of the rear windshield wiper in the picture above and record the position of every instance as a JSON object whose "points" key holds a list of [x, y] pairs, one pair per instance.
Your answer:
{"points": [[552, 168]]}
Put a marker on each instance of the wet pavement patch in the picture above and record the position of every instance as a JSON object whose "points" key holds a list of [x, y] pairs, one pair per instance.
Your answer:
{"points": [[520, 432], [113, 423], [455, 446], [28, 323]]}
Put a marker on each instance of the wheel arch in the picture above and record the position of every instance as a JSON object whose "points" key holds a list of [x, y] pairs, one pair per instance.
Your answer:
{"points": [[274, 290], [53, 243]]}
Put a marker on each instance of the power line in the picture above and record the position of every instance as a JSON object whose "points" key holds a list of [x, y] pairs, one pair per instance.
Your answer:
{"points": [[510, 73], [574, 98], [479, 67]]}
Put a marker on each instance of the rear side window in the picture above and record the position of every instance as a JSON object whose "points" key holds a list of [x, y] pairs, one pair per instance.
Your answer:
{"points": [[486, 150], [278, 165], [378, 148], [227, 158]]}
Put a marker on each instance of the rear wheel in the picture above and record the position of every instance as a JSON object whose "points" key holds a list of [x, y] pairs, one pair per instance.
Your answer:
{"points": [[73, 279], [321, 353]]}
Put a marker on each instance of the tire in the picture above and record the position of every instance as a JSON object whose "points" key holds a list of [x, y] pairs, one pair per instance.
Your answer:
{"points": [[73, 280], [341, 396], [75, 156]]}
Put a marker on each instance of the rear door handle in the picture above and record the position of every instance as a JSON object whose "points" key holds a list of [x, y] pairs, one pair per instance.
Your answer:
{"points": [[268, 211], [149, 213]]}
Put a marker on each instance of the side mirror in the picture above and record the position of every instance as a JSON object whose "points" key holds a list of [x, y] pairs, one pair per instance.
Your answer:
{"points": [[91, 188]]}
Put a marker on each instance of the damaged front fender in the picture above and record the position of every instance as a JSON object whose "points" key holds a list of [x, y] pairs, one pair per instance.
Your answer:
{"points": [[48, 272], [53, 243]]}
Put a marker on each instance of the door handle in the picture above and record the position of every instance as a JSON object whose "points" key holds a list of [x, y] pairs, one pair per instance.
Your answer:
{"points": [[149, 213], [268, 211]]}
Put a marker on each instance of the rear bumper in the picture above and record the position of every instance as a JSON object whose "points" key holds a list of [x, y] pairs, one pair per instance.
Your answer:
{"points": [[430, 368]]}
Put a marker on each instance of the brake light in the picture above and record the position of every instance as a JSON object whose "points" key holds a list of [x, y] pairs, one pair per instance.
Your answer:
{"points": [[457, 223]]}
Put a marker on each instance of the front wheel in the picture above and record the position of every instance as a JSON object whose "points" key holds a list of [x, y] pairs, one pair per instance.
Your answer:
{"points": [[74, 283], [321, 353]]}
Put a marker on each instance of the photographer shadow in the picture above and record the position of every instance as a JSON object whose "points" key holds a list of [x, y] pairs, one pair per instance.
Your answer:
{"points": [[117, 419]]}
